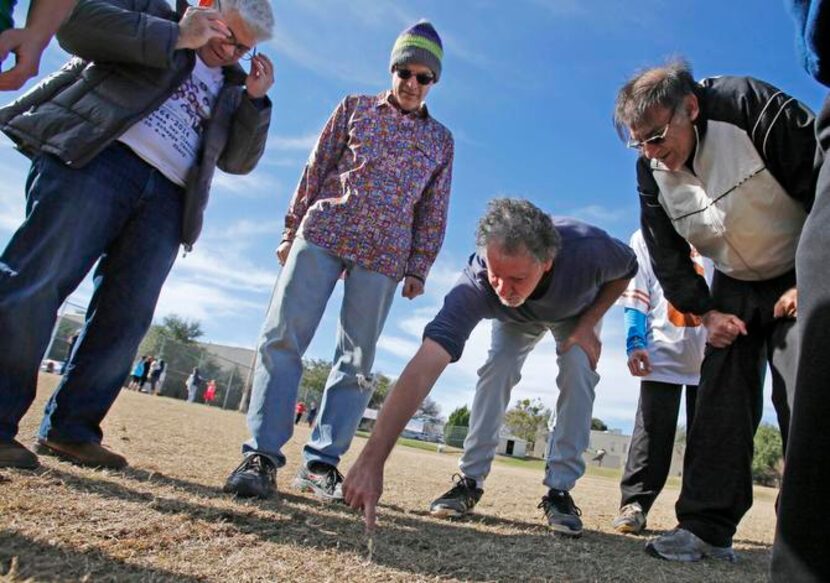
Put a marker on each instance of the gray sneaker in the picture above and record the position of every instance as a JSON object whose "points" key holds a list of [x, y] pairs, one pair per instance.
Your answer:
{"points": [[630, 520], [562, 514], [458, 500], [682, 545]]}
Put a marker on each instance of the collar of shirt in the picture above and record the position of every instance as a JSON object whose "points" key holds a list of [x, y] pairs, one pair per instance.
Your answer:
{"points": [[385, 100]]}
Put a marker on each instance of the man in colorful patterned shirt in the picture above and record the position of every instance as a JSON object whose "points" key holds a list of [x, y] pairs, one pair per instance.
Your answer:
{"points": [[371, 205]]}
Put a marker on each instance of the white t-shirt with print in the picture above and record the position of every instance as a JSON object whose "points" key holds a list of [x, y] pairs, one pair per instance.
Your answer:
{"points": [[168, 138], [676, 341]]}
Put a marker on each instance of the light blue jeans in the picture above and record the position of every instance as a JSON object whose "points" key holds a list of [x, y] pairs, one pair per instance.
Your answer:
{"points": [[302, 290], [571, 421]]}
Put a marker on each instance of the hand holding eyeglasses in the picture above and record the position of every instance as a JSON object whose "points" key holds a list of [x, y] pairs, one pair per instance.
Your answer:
{"points": [[261, 76], [198, 26]]}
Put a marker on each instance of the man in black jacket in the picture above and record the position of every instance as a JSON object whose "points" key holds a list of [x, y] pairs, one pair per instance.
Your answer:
{"points": [[124, 142], [725, 165]]}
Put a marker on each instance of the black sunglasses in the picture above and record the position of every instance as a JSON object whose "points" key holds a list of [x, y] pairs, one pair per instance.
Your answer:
{"points": [[421, 78]]}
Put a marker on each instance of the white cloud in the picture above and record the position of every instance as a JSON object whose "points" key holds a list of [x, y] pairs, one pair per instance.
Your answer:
{"points": [[303, 143], [253, 185], [599, 214], [201, 302], [211, 269]]}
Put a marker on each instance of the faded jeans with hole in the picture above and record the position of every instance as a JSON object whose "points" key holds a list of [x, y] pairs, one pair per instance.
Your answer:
{"points": [[300, 296]]}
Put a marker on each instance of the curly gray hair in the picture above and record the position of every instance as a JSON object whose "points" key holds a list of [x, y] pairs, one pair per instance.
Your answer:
{"points": [[257, 14], [518, 226]]}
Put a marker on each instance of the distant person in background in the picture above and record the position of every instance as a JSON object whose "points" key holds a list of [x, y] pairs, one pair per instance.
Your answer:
{"points": [[299, 410], [599, 456], [145, 373], [192, 383], [371, 205], [156, 370], [665, 349], [28, 43], [72, 340], [138, 373], [801, 552], [162, 377], [210, 392], [312, 413]]}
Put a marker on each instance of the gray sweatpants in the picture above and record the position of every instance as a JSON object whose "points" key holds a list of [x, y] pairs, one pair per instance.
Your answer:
{"points": [[571, 421]]}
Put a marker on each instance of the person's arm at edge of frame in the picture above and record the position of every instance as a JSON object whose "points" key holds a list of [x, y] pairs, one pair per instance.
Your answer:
{"points": [[364, 483], [28, 43]]}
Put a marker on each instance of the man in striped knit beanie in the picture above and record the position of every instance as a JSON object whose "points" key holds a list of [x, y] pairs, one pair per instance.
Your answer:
{"points": [[371, 204]]}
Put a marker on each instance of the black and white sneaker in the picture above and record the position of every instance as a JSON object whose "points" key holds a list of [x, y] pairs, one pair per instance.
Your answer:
{"points": [[321, 479], [458, 500], [561, 512], [255, 477]]}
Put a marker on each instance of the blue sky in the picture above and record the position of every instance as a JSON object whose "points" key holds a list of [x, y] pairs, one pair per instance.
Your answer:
{"points": [[527, 89]]}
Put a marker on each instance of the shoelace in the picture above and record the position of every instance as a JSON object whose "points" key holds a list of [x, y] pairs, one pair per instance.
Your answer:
{"points": [[630, 511], [333, 477], [563, 504], [258, 463], [460, 487]]}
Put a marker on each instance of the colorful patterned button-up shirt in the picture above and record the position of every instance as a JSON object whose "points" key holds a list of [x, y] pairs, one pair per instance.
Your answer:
{"points": [[376, 187]]}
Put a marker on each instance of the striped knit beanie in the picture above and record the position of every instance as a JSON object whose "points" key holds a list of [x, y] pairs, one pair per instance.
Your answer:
{"points": [[419, 44]]}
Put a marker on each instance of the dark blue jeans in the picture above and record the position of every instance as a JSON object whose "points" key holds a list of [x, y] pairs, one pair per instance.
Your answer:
{"points": [[120, 212]]}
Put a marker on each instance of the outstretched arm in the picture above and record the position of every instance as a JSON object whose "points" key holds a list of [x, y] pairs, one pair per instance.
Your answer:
{"points": [[364, 482]]}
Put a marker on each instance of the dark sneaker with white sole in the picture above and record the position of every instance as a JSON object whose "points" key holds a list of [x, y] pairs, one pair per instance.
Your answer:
{"points": [[562, 514], [255, 477], [321, 479], [686, 547], [458, 501]]}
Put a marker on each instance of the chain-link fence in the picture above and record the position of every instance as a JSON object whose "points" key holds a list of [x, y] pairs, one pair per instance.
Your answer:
{"points": [[454, 435], [223, 371], [227, 367]]}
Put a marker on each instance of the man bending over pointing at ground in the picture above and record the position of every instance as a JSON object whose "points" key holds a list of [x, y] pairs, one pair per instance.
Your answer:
{"points": [[531, 274]]}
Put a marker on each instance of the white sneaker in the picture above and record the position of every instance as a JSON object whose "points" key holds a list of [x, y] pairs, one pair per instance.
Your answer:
{"points": [[630, 520]]}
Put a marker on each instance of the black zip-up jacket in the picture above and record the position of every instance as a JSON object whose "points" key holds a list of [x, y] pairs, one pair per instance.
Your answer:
{"points": [[741, 199]]}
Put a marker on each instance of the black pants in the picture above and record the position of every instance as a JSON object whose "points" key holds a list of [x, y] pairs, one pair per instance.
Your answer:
{"points": [[802, 550], [652, 445], [717, 469]]}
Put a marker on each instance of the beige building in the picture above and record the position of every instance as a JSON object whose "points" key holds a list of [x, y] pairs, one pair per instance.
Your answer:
{"points": [[615, 444]]}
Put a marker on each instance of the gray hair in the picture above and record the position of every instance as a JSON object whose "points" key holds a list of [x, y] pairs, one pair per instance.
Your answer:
{"points": [[517, 226], [665, 86], [257, 14]]}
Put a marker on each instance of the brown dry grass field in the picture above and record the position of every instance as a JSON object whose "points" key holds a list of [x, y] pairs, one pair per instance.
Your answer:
{"points": [[166, 518]]}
